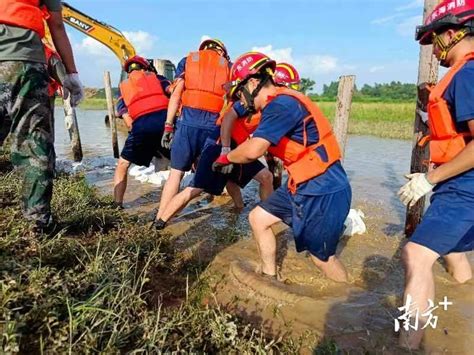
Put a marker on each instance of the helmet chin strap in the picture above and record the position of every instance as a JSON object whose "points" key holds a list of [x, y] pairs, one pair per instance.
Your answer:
{"points": [[250, 96], [445, 48]]}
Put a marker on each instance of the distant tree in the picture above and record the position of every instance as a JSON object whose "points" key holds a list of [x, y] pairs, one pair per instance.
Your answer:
{"points": [[330, 91], [306, 85]]}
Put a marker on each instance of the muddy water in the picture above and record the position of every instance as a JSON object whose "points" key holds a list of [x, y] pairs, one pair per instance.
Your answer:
{"points": [[359, 316]]}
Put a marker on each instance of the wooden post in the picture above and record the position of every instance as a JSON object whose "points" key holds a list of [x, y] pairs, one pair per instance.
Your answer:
{"points": [[70, 120], [111, 110], [343, 109], [427, 73]]}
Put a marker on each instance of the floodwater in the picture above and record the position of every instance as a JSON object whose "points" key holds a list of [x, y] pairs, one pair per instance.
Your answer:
{"points": [[359, 316]]}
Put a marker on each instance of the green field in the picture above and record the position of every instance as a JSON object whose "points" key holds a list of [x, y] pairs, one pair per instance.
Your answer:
{"points": [[381, 119]]}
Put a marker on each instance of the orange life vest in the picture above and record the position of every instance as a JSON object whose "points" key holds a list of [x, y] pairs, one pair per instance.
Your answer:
{"points": [[53, 85], [22, 13], [243, 126], [445, 141], [142, 94], [301, 161], [206, 73]]}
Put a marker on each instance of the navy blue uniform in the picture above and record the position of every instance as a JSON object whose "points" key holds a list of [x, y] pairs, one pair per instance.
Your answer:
{"points": [[448, 224], [144, 139], [316, 212], [193, 128]]}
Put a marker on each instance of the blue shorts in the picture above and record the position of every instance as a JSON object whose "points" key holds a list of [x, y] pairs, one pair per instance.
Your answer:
{"points": [[317, 220], [144, 140], [188, 144], [448, 224], [213, 182]]}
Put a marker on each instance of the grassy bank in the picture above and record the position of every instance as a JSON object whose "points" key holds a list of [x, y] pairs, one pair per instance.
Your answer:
{"points": [[381, 119], [104, 282]]}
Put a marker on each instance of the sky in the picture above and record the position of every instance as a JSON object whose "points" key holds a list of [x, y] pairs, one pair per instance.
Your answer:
{"points": [[323, 39]]}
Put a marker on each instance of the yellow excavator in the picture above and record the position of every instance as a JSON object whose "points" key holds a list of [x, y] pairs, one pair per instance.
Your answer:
{"points": [[110, 37]]}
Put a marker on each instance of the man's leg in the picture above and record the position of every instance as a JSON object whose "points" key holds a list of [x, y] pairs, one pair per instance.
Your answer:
{"points": [[234, 191], [332, 268], [170, 190], [419, 284], [179, 201], [32, 150], [458, 267], [265, 179], [261, 222], [120, 180]]}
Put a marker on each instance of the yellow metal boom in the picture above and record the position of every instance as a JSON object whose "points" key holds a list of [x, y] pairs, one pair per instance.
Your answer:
{"points": [[102, 32]]}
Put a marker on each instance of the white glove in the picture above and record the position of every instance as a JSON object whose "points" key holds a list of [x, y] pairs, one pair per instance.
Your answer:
{"points": [[423, 115], [228, 168], [413, 190], [73, 86]]}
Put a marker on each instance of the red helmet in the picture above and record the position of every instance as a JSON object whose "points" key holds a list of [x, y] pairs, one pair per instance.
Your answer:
{"points": [[246, 65], [448, 13], [286, 75], [134, 63], [213, 43]]}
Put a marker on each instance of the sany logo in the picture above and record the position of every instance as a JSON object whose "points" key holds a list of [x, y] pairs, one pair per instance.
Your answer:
{"points": [[80, 24]]}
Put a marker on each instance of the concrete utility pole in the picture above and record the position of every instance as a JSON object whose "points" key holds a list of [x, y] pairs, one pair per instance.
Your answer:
{"points": [[343, 109], [111, 110], [427, 74]]}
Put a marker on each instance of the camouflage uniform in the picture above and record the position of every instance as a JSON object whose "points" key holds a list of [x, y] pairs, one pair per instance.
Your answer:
{"points": [[25, 112]]}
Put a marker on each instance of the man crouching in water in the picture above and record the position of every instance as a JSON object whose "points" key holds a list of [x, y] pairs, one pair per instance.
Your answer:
{"points": [[317, 198]]}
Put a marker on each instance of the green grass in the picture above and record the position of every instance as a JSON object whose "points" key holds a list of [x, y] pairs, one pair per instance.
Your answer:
{"points": [[87, 104], [387, 120], [94, 285]]}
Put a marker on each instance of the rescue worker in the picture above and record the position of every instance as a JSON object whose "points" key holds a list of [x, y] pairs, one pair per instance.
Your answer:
{"points": [[198, 90], [316, 199], [236, 127], [25, 110], [447, 228], [239, 125], [143, 103]]}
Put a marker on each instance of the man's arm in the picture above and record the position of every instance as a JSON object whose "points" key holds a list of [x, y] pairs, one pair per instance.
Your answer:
{"points": [[249, 151], [61, 40], [226, 127], [174, 102], [459, 164]]}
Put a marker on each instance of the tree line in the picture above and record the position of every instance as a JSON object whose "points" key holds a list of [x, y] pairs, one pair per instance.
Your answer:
{"points": [[394, 91]]}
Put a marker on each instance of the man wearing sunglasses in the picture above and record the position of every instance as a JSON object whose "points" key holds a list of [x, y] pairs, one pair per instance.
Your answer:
{"points": [[317, 196]]}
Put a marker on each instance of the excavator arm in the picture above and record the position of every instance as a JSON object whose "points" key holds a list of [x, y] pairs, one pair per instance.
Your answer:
{"points": [[102, 32], [108, 36]]}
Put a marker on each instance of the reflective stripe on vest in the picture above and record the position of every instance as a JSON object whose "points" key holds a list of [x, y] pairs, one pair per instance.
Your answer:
{"points": [[205, 74], [22, 13], [142, 94], [302, 161], [445, 141]]}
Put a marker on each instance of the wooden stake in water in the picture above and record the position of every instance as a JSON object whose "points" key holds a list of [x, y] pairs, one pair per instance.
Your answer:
{"points": [[111, 110], [72, 127], [343, 109], [427, 74]]}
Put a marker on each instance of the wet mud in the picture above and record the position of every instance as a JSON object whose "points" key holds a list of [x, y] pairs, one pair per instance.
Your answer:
{"points": [[359, 316]]}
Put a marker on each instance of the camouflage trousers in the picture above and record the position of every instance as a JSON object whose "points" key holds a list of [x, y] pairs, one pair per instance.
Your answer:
{"points": [[25, 114]]}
